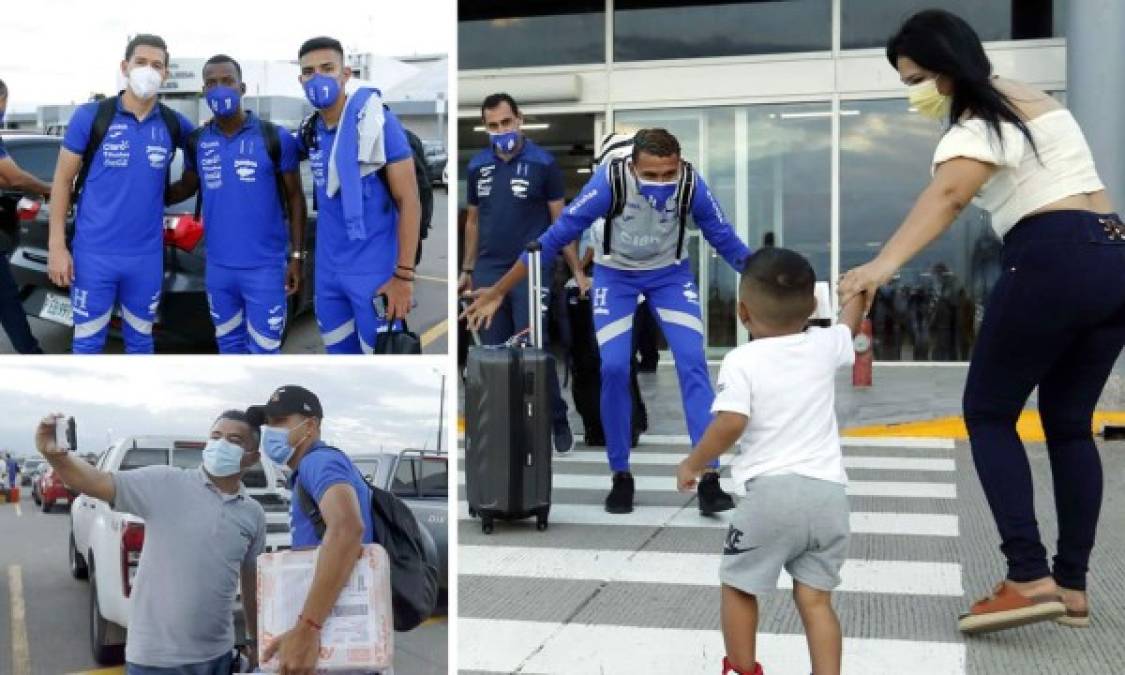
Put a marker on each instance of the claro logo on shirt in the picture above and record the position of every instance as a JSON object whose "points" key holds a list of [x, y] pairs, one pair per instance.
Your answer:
{"points": [[115, 149]]}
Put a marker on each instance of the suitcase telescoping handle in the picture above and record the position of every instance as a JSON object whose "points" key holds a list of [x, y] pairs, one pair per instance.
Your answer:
{"points": [[534, 294]]}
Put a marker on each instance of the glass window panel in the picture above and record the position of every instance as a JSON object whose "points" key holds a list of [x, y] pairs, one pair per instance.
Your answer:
{"points": [[660, 29], [868, 23], [776, 183], [932, 309], [511, 34]]}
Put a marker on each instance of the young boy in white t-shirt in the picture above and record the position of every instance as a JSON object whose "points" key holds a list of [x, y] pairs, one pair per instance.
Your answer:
{"points": [[775, 398]]}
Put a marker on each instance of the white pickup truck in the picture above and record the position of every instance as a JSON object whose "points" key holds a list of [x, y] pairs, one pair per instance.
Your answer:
{"points": [[106, 546]]}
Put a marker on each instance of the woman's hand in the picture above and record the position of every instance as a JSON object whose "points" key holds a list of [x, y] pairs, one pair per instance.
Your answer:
{"points": [[865, 278]]}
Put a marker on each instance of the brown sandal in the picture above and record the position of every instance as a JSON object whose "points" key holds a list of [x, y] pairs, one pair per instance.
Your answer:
{"points": [[1006, 608]]}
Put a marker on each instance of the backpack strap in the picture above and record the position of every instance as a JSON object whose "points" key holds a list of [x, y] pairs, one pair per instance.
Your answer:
{"points": [[175, 134], [618, 189], [307, 133], [191, 155], [272, 137], [685, 194], [107, 108]]}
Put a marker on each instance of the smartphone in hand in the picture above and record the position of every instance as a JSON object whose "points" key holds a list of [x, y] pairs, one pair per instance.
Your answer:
{"points": [[66, 436]]}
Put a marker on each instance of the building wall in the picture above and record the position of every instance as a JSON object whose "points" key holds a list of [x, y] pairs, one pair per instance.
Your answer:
{"points": [[805, 138]]}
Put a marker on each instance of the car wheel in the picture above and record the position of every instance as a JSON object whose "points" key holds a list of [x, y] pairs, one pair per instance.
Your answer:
{"points": [[78, 568], [47, 506], [35, 498], [104, 654]]}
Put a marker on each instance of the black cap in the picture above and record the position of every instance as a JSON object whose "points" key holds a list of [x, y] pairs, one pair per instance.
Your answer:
{"points": [[287, 400]]}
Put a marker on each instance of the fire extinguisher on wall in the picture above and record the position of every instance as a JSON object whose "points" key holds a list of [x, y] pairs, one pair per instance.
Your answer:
{"points": [[864, 355]]}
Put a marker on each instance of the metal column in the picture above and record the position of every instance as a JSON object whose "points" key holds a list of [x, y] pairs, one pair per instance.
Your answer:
{"points": [[1095, 52]]}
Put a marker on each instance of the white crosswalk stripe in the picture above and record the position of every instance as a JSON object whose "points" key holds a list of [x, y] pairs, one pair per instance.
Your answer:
{"points": [[855, 488], [595, 551], [594, 649]]}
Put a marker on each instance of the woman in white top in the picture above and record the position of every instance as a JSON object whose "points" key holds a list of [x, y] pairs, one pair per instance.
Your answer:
{"points": [[1055, 319]]}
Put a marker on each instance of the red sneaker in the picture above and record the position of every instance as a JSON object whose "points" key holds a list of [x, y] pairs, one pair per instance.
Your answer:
{"points": [[728, 669]]}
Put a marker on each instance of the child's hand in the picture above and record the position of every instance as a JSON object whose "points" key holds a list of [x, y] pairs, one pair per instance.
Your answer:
{"points": [[687, 476]]}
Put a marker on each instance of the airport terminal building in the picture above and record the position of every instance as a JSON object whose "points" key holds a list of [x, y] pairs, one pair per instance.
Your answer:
{"points": [[790, 111]]}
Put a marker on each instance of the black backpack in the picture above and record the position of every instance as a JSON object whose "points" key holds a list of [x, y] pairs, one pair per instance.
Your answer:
{"points": [[107, 108], [411, 549], [618, 188], [421, 173], [269, 132]]}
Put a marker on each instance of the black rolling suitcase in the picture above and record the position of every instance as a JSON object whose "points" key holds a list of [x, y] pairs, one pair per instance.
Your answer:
{"points": [[508, 424]]}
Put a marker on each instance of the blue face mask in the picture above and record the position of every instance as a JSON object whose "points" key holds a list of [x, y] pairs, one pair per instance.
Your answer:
{"points": [[275, 443], [222, 458], [223, 101], [505, 142], [322, 91], [657, 193]]}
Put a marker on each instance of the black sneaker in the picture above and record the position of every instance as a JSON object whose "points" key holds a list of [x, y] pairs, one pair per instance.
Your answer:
{"points": [[712, 499], [620, 498], [563, 439]]}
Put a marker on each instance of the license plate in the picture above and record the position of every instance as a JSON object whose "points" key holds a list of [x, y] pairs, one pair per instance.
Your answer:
{"points": [[57, 308]]}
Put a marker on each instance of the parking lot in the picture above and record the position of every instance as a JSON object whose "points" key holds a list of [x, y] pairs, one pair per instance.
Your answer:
{"points": [[428, 319], [44, 620]]}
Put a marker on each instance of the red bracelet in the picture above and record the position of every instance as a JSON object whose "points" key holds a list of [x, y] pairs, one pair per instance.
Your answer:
{"points": [[310, 622]]}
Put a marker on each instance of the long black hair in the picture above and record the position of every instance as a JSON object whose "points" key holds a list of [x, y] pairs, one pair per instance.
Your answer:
{"points": [[946, 44]]}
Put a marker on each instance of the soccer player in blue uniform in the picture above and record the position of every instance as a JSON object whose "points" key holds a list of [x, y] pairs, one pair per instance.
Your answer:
{"points": [[118, 244], [643, 257], [367, 203], [246, 197]]}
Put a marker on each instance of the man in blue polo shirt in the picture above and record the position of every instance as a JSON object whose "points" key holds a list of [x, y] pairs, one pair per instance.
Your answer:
{"points": [[514, 191], [119, 231], [291, 438], [367, 203], [243, 214]]}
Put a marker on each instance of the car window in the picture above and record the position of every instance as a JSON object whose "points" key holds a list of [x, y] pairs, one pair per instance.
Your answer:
{"points": [[135, 458], [367, 467], [35, 157], [416, 476], [187, 458]]}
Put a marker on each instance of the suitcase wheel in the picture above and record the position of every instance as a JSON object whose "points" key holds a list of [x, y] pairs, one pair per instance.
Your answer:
{"points": [[541, 522], [486, 525], [472, 512]]}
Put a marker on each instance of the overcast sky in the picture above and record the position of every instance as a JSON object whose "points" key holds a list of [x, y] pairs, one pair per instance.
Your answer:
{"points": [[59, 51], [386, 402]]}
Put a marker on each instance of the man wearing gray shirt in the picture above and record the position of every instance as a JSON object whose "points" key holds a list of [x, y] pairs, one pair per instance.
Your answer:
{"points": [[202, 533]]}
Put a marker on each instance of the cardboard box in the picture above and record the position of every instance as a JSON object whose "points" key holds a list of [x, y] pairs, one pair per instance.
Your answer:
{"points": [[359, 635]]}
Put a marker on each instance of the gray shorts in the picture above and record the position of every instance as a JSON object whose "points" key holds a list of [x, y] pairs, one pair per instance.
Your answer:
{"points": [[787, 521]]}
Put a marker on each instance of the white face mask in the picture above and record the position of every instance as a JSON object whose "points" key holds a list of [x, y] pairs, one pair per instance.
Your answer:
{"points": [[144, 81]]}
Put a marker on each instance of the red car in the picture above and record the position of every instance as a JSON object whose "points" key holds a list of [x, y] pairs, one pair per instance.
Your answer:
{"points": [[49, 489]]}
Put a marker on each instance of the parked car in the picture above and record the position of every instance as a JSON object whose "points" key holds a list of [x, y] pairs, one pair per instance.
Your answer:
{"points": [[48, 490], [28, 469], [106, 545], [422, 481], [183, 317], [436, 159]]}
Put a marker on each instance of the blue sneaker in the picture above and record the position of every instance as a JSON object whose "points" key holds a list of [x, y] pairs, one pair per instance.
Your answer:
{"points": [[563, 438]]}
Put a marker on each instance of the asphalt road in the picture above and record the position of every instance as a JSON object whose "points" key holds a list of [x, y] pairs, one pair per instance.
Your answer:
{"points": [[600, 593], [49, 616], [428, 319]]}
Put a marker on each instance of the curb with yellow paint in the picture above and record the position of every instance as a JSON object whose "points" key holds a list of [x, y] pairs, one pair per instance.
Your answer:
{"points": [[1029, 427]]}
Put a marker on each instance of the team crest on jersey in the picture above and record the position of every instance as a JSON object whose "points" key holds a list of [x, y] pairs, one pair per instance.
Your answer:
{"points": [[520, 187]]}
